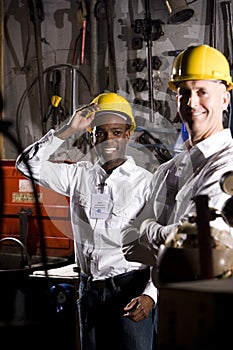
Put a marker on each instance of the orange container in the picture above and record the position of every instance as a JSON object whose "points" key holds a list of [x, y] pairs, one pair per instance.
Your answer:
{"points": [[18, 205]]}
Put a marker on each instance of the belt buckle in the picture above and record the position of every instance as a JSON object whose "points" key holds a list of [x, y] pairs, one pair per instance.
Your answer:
{"points": [[99, 284], [109, 283]]}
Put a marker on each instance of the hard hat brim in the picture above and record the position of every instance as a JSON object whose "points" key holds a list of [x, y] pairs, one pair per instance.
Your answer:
{"points": [[121, 115]]}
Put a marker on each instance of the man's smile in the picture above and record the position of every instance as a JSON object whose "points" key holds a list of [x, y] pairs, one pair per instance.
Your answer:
{"points": [[109, 150]]}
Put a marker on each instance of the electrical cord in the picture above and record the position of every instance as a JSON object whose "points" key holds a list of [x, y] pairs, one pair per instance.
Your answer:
{"points": [[27, 91]]}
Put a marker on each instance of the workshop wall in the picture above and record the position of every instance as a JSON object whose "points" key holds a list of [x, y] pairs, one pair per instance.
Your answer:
{"points": [[48, 53]]}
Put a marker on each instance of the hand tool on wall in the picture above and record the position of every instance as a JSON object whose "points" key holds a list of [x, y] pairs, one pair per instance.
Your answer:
{"points": [[79, 24], [55, 113], [149, 44], [138, 64], [137, 41], [84, 31], [94, 51], [139, 84], [135, 65], [37, 16], [144, 27], [213, 18], [113, 83], [66, 70]]}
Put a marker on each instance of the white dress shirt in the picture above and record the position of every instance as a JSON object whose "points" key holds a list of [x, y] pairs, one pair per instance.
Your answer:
{"points": [[194, 172], [121, 195]]}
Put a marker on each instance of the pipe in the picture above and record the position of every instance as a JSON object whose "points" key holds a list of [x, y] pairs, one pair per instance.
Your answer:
{"points": [[149, 59]]}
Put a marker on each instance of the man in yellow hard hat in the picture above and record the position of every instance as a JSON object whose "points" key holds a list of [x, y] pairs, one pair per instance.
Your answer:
{"points": [[202, 81], [201, 78], [116, 297]]}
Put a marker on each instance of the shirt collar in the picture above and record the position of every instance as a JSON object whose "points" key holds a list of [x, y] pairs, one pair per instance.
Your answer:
{"points": [[214, 143], [125, 168]]}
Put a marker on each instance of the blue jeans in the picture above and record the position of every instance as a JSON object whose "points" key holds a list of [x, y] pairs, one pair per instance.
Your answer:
{"points": [[102, 324]]}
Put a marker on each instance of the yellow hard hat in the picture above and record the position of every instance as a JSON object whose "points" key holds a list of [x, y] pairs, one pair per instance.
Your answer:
{"points": [[200, 62], [116, 104]]}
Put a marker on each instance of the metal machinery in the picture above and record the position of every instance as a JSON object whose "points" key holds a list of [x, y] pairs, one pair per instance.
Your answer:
{"points": [[195, 281]]}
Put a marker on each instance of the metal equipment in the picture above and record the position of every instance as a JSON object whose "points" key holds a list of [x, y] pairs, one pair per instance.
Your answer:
{"points": [[179, 11], [196, 251]]}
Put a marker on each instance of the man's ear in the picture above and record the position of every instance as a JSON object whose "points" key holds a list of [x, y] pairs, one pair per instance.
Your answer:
{"points": [[127, 134], [226, 100]]}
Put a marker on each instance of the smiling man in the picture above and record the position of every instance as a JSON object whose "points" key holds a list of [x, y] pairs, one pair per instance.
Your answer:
{"points": [[110, 140], [200, 103], [116, 297], [202, 81]]}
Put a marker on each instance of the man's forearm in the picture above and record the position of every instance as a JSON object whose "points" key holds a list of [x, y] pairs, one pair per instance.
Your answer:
{"points": [[64, 132]]}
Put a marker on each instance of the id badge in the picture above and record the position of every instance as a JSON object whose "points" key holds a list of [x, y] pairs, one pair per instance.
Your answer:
{"points": [[100, 205]]}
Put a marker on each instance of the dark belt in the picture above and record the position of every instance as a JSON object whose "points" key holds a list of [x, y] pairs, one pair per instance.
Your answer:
{"points": [[117, 281]]}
